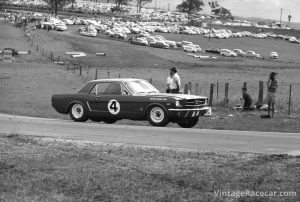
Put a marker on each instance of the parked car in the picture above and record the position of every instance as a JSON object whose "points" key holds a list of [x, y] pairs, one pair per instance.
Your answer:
{"points": [[213, 50], [190, 49], [274, 55], [198, 48], [138, 41], [251, 54], [120, 35], [172, 44], [110, 100], [89, 33], [184, 43], [227, 53], [239, 52], [294, 40], [61, 27], [159, 44]]}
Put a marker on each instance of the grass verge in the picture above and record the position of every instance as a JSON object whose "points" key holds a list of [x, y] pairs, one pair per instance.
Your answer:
{"points": [[47, 169]]}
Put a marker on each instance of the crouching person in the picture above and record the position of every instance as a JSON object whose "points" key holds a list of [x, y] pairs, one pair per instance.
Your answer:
{"points": [[247, 106]]}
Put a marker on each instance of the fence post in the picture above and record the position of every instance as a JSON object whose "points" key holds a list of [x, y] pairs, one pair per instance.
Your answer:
{"points": [[68, 66], [186, 89], [150, 80], [290, 97], [96, 74], [88, 70], [51, 56], [190, 87], [211, 94], [108, 74], [260, 94], [197, 89], [37, 48], [217, 90], [80, 70], [226, 100], [119, 75]]}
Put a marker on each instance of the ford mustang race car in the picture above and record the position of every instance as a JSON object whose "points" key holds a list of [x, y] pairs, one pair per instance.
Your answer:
{"points": [[110, 100]]}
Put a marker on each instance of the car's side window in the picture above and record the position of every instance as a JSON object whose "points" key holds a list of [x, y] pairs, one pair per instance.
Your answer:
{"points": [[124, 91], [100, 88], [108, 88]]}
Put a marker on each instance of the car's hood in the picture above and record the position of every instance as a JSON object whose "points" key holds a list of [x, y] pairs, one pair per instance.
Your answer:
{"points": [[174, 96]]}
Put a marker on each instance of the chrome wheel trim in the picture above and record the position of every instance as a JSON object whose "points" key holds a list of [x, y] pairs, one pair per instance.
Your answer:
{"points": [[77, 111], [157, 114]]}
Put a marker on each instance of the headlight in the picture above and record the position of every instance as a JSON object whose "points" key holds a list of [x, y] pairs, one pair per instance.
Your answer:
{"points": [[177, 103]]}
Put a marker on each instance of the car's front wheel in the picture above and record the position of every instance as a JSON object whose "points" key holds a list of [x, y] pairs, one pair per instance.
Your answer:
{"points": [[78, 113], [188, 123], [157, 116]]}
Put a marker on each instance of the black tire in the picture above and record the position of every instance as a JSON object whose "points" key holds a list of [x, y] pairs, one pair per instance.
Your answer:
{"points": [[95, 119], [78, 113], [188, 123], [109, 121], [157, 116]]}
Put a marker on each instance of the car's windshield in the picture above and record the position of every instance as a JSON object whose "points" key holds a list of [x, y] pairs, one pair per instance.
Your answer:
{"points": [[141, 86]]}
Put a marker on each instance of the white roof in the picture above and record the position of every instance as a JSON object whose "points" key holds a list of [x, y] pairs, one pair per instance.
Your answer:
{"points": [[117, 80]]}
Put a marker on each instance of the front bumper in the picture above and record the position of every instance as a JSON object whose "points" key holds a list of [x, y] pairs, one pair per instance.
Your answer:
{"points": [[190, 113]]}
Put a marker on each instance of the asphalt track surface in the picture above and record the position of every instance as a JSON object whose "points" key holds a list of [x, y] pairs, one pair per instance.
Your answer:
{"points": [[202, 139]]}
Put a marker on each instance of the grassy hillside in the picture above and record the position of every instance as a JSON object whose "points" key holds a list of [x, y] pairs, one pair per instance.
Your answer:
{"points": [[47, 169]]}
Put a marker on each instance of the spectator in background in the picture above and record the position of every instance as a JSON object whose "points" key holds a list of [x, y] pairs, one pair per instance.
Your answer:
{"points": [[247, 100], [272, 85], [173, 81]]}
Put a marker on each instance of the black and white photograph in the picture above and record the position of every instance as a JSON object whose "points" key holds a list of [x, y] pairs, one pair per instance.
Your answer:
{"points": [[149, 101]]}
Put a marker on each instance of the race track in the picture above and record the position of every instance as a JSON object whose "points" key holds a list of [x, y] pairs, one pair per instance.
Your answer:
{"points": [[202, 139]]}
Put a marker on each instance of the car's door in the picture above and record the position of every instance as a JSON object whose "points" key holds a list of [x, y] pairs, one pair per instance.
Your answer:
{"points": [[110, 100]]}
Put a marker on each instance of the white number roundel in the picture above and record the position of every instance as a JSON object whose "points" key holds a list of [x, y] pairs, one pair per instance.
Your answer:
{"points": [[113, 107]]}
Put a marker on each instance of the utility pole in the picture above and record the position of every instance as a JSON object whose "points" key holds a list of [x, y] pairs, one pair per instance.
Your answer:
{"points": [[210, 24], [280, 16], [168, 6], [155, 4]]}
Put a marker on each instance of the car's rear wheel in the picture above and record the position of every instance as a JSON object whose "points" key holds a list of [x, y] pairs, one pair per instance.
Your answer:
{"points": [[157, 116], [188, 123], [78, 113], [109, 121]]}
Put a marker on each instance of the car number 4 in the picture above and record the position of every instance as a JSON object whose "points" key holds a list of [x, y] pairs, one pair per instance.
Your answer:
{"points": [[113, 107]]}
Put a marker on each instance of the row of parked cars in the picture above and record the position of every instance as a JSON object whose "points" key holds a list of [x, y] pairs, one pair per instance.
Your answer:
{"points": [[239, 52], [150, 27]]}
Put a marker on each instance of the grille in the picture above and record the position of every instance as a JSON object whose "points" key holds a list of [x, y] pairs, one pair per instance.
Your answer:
{"points": [[195, 102]]}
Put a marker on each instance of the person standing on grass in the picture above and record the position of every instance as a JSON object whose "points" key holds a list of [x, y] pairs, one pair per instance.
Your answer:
{"points": [[173, 81], [272, 85]]}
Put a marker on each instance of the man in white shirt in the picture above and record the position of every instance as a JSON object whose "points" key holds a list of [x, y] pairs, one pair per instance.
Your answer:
{"points": [[173, 81]]}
